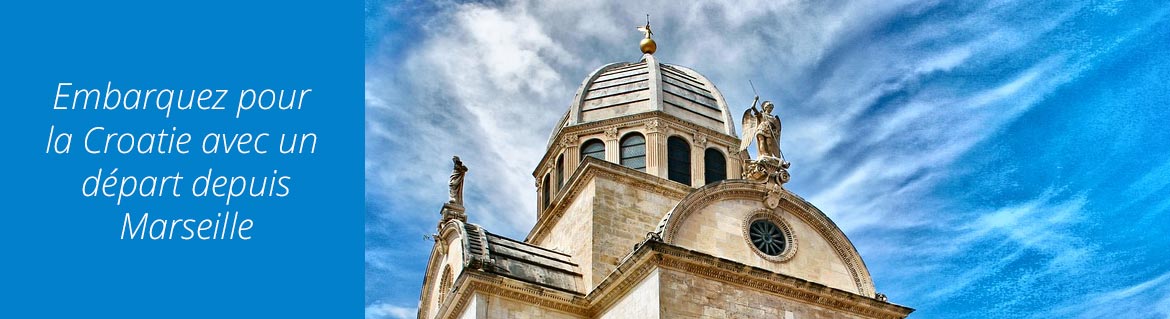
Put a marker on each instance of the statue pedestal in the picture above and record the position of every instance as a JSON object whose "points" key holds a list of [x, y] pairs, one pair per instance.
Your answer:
{"points": [[770, 170], [452, 211], [767, 169]]}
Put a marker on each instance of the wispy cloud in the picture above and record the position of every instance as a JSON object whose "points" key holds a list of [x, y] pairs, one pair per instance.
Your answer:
{"points": [[1147, 299]]}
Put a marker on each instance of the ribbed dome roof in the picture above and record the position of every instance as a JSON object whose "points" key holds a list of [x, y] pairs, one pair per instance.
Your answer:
{"points": [[624, 88]]}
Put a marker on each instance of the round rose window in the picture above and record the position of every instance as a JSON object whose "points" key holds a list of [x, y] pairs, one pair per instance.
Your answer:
{"points": [[767, 237]]}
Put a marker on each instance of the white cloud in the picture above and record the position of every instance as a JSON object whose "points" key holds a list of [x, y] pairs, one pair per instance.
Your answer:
{"points": [[388, 311]]}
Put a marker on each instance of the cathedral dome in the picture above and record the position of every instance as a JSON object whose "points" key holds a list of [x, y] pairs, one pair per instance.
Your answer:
{"points": [[627, 88]]}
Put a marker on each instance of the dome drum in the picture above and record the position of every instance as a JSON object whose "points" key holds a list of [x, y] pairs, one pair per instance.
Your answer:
{"points": [[656, 127]]}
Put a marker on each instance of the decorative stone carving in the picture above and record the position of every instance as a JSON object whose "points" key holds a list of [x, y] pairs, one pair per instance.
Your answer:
{"points": [[700, 140], [653, 125], [569, 140], [611, 133], [771, 171], [453, 209]]}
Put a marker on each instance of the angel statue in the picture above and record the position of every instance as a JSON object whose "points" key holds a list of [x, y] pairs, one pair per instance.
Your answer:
{"points": [[764, 128], [769, 165]]}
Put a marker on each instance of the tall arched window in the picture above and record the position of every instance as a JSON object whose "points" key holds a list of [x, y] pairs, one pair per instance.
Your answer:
{"points": [[594, 148], [544, 191], [633, 151], [716, 166], [560, 171], [678, 160]]}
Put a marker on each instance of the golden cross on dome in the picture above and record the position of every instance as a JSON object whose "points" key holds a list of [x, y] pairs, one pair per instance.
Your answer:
{"points": [[646, 28], [647, 45]]}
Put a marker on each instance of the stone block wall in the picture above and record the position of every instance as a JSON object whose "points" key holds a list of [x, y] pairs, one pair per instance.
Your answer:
{"points": [[622, 216], [573, 233], [640, 302], [688, 296], [604, 222]]}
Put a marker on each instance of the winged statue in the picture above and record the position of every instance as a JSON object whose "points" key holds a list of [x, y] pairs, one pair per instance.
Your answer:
{"points": [[769, 165], [764, 128]]}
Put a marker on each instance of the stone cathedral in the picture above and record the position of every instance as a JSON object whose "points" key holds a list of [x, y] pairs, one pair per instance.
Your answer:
{"points": [[651, 206]]}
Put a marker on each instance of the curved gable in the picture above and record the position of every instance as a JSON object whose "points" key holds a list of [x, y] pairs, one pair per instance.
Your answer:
{"points": [[714, 220], [447, 259]]}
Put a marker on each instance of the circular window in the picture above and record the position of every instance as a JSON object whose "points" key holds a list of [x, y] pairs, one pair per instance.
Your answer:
{"points": [[767, 237], [770, 235]]}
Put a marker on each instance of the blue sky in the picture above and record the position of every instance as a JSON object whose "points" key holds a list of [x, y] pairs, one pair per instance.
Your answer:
{"points": [[989, 159]]}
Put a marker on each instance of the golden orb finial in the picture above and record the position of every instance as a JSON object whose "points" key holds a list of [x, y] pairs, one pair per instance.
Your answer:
{"points": [[647, 45]]}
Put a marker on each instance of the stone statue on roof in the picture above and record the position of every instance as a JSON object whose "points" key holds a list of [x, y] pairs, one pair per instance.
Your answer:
{"points": [[453, 209], [456, 182], [769, 165], [764, 128]]}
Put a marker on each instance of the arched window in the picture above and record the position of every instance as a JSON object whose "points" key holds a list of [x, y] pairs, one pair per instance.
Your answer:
{"points": [[593, 148], [560, 171], [634, 151], [678, 160], [544, 191], [716, 166], [445, 284]]}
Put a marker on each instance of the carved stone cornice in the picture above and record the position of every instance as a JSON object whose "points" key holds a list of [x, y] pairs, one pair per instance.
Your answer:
{"points": [[425, 298], [841, 245], [734, 273], [475, 281], [629, 272]]}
